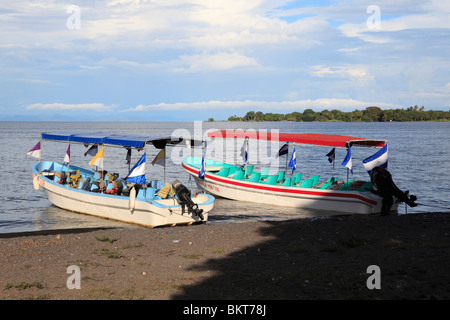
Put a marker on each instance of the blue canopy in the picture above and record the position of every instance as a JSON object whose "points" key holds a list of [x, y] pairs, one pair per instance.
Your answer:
{"points": [[109, 139]]}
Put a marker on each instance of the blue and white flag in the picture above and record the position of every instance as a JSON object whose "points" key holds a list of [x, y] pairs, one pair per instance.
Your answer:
{"points": [[379, 159], [293, 163], [244, 152], [348, 160], [201, 173], [137, 173]]}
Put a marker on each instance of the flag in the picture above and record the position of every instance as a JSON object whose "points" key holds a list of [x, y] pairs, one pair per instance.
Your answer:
{"points": [[92, 151], [283, 150], [137, 173], [379, 159], [128, 157], [293, 163], [348, 160], [36, 151], [331, 155], [244, 153], [201, 173], [67, 156], [98, 159], [160, 158]]}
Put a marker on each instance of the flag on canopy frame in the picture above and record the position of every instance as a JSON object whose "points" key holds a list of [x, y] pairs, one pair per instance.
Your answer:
{"points": [[98, 159], [201, 173], [36, 151], [137, 173], [244, 151], [160, 158], [379, 159], [92, 151], [67, 156], [331, 155], [348, 160], [293, 162], [283, 150]]}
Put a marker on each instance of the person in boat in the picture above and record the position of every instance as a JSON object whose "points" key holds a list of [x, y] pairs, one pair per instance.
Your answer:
{"points": [[386, 188]]}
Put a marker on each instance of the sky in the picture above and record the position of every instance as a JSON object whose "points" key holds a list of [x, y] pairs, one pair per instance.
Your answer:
{"points": [[189, 60]]}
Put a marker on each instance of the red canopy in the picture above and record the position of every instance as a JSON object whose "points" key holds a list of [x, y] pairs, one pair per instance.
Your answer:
{"points": [[331, 140]]}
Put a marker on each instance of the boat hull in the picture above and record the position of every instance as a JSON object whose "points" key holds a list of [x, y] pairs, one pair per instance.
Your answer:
{"points": [[145, 212], [308, 198]]}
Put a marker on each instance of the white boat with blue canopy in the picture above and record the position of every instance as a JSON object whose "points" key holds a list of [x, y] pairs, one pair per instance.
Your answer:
{"points": [[104, 194]]}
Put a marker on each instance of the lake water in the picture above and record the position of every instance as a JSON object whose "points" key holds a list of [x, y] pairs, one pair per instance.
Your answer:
{"points": [[418, 161]]}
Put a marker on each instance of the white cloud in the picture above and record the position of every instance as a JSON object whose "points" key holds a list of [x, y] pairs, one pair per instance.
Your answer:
{"points": [[348, 71], [64, 106], [219, 61], [272, 106]]}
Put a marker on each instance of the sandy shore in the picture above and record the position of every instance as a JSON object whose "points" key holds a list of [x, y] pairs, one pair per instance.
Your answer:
{"points": [[299, 259]]}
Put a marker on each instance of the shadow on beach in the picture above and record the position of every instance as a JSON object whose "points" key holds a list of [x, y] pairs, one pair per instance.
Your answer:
{"points": [[328, 259]]}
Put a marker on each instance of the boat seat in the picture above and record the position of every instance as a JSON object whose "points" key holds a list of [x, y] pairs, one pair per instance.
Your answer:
{"points": [[281, 175], [287, 182], [272, 179], [332, 180], [248, 170], [254, 177], [265, 172], [297, 177], [346, 185], [239, 175], [306, 183], [314, 179], [325, 185], [224, 172]]}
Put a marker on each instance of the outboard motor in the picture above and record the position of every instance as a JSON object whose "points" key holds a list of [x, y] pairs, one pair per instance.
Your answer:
{"points": [[184, 199], [386, 188]]}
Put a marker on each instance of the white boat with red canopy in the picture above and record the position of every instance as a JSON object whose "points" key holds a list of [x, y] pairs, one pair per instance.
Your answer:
{"points": [[245, 184]]}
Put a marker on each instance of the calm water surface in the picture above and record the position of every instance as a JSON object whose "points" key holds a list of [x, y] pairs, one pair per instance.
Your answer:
{"points": [[418, 161]]}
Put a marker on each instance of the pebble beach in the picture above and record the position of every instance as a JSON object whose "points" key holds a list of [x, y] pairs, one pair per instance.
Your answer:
{"points": [[314, 259]]}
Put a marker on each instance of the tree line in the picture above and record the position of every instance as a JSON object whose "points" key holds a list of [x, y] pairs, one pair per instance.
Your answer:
{"points": [[370, 114]]}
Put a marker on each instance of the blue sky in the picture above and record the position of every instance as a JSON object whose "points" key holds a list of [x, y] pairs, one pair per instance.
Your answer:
{"points": [[174, 60]]}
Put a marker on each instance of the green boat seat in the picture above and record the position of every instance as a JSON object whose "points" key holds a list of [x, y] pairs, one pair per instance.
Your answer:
{"points": [[264, 172], [332, 180], [281, 175], [287, 182], [314, 179], [224, 172], [306, 183], [239, 174], [248, 170], [254, 177], [346, 185], [272, 179], [326, 185], [297, 177]]}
